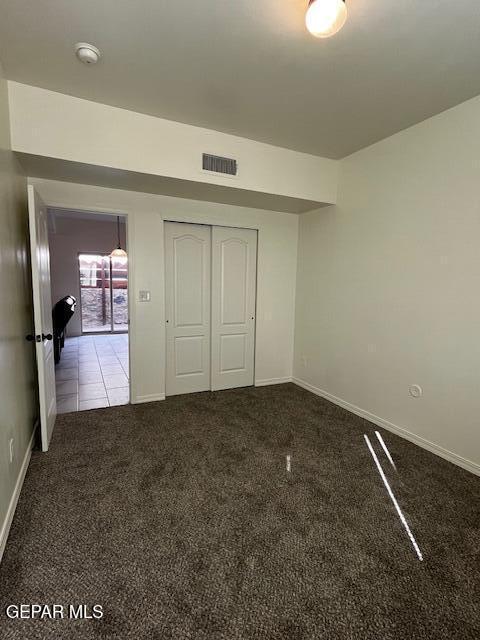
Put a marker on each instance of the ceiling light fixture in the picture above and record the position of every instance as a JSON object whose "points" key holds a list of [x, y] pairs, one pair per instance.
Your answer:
{"points": [[118, 252], [325, 17], [87, 53]]}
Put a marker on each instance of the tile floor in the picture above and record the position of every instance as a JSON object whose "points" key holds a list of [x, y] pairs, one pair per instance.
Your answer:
{"points": [[92, 373]]}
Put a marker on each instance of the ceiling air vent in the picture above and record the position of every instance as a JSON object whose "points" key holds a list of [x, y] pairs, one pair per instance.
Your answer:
{"points": [[219, 164]]}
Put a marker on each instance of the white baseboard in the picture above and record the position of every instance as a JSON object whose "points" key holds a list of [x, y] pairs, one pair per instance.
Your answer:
{"points": [[153, 397], [469, 465], [7, 523], [268, 381]]}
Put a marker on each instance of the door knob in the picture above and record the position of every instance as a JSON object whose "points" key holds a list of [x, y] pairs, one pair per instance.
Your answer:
{"points": [[47, 336], [32, 338]]}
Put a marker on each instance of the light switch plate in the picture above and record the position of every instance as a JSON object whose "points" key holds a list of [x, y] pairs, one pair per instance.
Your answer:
{"points": [[144, 296]]}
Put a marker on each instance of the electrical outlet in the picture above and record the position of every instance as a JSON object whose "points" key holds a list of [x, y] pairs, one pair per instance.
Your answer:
{"points": [[304, 361], [10, 449]]}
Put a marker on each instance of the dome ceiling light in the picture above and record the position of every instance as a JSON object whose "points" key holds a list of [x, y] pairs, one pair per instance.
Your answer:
{"points": [[325, 17]]}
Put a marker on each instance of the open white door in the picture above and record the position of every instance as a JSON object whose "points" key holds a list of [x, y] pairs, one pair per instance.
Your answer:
{"points": [[42, 307], [234, 278]]}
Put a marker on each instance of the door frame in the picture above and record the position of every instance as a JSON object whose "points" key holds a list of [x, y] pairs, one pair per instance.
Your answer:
{"points": [[181, 220], [130, 266]]}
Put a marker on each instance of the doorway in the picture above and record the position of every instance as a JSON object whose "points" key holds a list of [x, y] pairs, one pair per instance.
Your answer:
{"points": [[92, 370], [75, 372]]}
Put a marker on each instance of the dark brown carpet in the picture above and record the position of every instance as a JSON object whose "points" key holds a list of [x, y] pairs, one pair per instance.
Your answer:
{"points": [[181, 520]]}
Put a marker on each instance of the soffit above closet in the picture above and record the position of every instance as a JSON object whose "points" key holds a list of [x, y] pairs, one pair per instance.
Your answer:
{"points": [[66, 171]]}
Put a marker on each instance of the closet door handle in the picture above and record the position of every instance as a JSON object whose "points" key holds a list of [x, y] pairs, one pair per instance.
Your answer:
{"points": [[47, 336], [32, 338]]}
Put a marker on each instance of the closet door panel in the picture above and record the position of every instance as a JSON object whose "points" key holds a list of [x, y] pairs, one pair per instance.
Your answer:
{"points": [[234, 272], [187, 306]]}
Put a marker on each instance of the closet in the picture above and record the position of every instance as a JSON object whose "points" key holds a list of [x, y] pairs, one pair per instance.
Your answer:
{"points": [[210, 298]]}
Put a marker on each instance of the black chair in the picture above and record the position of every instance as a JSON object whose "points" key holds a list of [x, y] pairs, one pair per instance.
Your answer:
{"points": [[62, 311]]}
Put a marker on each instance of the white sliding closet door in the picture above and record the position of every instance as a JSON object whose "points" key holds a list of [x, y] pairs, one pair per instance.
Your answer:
{"points": [[234, 275], [188, 285]]}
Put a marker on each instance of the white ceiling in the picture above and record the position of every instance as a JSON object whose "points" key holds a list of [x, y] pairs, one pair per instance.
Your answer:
{"points": [[248, 67]]}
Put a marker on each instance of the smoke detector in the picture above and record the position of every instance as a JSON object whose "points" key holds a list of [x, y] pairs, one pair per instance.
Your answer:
{"points": [[87, 53]]}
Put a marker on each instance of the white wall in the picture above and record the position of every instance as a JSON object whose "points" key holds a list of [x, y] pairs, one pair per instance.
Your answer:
{"points": [[54, 125], [67, 238], [17, 372], [277, 263], [388, 286]]}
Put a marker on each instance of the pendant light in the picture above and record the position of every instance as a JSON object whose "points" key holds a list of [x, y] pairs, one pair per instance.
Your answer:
{"points": [[325, 17], [118, 252]]}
